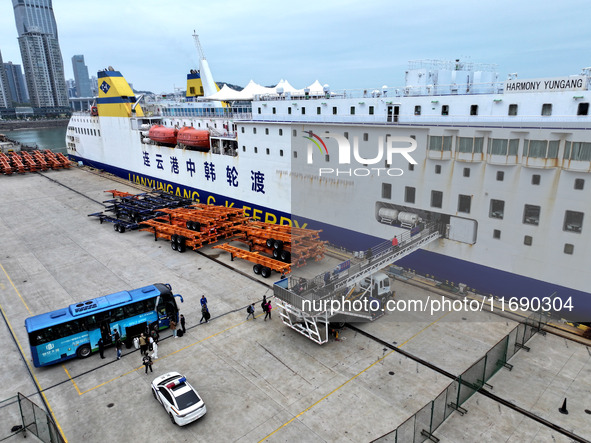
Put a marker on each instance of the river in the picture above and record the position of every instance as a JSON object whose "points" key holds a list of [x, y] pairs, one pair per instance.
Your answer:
{"points": [[43, 138]]}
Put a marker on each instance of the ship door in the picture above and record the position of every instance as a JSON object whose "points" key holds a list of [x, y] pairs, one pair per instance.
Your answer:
{"points": [[393, 113], [396, 113], [390, 113]]}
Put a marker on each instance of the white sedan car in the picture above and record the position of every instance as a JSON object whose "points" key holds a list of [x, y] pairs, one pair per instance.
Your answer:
{"points": [[179, 398]]}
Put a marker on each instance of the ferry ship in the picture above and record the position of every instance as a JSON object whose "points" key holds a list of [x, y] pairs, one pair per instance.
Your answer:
{"points": [[503, 165]]}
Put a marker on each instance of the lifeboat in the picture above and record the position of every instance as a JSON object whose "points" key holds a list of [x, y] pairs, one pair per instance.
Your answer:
{"points": [[162, 134], [196, 138]]}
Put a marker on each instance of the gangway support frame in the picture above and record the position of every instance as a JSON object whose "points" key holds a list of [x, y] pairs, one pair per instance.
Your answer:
{"points": [[308, 325]]}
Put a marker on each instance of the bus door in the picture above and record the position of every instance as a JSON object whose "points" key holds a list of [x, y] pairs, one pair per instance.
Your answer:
{"points": [[106, 331]]}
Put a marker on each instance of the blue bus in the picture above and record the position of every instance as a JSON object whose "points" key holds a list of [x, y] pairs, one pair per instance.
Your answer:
{"points": [[75, 331]]}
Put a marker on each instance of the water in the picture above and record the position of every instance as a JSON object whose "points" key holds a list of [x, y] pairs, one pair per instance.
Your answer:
{"points": [[44, 138]]}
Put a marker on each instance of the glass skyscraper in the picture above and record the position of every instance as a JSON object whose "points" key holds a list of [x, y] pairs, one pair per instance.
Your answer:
{"points": [[81, 76], [41, 54]]}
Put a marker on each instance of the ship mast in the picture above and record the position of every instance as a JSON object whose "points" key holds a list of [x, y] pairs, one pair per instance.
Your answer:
{"points": [[198, 44], [209, 86]]}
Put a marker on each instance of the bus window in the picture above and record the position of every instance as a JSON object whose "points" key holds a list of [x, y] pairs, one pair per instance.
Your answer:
{"points": [[117, 314]]}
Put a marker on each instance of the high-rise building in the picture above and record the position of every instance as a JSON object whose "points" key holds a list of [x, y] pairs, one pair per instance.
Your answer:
{"points": [[81, 76], [5, 97], [16, 83], [41, 54]]}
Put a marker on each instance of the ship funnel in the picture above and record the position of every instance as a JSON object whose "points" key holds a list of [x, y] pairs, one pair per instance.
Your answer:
{"points": [[116, 98]]}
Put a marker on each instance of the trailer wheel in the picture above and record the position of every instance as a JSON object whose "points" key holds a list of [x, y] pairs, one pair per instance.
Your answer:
{"points": [[173, 245], [181, 247], [266, 272], [285, 256], [256, 269], [189, 225], [180, 239], [270, 242], [121, 229], [173, 238], [276, 254], [116, 227], [277, 244]]}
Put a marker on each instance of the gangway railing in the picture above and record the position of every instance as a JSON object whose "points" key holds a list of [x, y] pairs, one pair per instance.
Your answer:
{"points": [[305, 304]]}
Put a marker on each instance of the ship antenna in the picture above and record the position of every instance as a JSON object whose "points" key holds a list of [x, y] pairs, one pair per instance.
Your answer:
{"points": [[198, 44]]}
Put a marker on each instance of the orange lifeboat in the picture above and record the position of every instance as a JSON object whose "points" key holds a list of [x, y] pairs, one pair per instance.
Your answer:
{"points": [[162, 134], [196, 138]]}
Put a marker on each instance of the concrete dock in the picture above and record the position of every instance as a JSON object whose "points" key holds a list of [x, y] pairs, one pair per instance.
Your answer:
{"points": [[259, 379]]}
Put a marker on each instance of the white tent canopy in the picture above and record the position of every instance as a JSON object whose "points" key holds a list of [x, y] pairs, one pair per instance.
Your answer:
{"points": [[253, 89]]}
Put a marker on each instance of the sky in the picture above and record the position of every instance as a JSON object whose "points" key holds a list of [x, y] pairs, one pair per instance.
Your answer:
{"points": [[345, 44]]}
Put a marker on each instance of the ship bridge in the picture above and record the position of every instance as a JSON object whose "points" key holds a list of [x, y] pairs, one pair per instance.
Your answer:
{"points": [[310, 305]]}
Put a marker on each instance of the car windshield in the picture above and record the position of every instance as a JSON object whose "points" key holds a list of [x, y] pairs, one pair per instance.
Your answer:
{"points": [[187, 399]]}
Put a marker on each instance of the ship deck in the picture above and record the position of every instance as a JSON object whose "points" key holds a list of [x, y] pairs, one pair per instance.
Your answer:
{"points": [[259, 379]]}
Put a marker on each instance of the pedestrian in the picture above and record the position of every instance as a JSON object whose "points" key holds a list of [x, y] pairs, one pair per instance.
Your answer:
{"points": [[264, 303], [101, 347], [250, 310], [204, 314], [155, 349], [173, 327], [143, 344], [268, 310], [155, 334], [203, 300], [183, 323], [119, 347], [147, 362], [116, 335]]}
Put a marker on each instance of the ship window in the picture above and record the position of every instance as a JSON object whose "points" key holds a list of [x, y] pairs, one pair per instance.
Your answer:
{"points": [[583, 109], [387, 190], [242, 128], [579, 183], [280, 131], [289, 110], [243, 148], [254, 130], [577, 151], [497, 209], [318, 111], [513, 146], [274, 110], [513, 109], [440, 143], [535, 179], [266, 131], [259, 110], [303, 110], [281, 153], [541, 148], [295, 154], [573, 221], [466, 172], [445, 110], [409, 194], [371, 110], [256, 150], [334, 110], [497, 234], [365, 136], [327, 158], [464, 202], [346, 135], [437, 169], [528, 240], [569, 249], [352, 110], [418, 110], [547, 109], [474, 110], [436, 199], [268, 152], [294, 133], [531, 215], [411, 167], [500, 176], [470, 145]]}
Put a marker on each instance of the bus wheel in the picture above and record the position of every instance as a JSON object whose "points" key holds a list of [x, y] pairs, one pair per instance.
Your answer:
{"points": [[83, 351]]}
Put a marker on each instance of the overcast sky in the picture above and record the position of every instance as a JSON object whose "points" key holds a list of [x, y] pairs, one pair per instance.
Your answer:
{"points": [[347, 44]]}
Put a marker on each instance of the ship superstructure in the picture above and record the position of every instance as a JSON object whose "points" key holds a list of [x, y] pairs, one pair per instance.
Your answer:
{"points": [[503, 166]]}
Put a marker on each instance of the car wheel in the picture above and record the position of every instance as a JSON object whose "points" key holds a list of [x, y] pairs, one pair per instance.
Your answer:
{"points": [[171, 418], [84, 351]]}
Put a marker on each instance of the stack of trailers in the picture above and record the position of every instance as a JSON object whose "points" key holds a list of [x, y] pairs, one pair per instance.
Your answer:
{"points": [[33, 161], [126, 211]]}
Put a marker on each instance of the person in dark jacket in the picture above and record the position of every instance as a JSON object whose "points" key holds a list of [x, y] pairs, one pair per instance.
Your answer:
{"points": [[204, 314], [183, 323], [101, 347], [147, 362]]}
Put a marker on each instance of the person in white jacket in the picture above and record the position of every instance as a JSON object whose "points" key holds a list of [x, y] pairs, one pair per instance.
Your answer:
{"points": [[154, 346]]}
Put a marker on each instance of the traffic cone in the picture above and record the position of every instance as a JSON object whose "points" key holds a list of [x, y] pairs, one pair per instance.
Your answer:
{"points": [[563, 410]]}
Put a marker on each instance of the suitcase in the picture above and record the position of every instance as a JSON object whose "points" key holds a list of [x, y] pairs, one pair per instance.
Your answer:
{"points": [[179, 333]]}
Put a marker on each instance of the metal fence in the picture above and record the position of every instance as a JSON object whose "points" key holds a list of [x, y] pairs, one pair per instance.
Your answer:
{"points": [[20, 415], [420, 426]]}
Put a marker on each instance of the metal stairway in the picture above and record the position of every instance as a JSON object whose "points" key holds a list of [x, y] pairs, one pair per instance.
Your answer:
{"points": [[305, 305]]}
